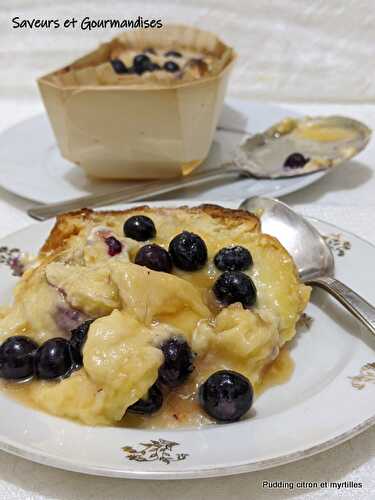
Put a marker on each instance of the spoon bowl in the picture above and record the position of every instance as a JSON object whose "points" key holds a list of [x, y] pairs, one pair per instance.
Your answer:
{"points": [[311, 254], [296, 147], [308, 248]]}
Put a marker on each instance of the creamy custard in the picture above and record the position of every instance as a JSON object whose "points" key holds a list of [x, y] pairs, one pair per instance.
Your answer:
{"points": [[180, 408]]}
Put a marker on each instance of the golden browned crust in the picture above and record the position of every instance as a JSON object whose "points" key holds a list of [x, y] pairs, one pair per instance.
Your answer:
{"points": [[71, 223]]}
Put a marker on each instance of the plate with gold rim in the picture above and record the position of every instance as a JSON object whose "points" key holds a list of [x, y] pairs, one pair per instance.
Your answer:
{"points": [[329, 397]]}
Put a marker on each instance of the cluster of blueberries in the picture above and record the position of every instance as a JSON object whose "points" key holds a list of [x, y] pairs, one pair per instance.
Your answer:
{"points": [[143, 63], [226, 395], [21, 358], [188, 251]]}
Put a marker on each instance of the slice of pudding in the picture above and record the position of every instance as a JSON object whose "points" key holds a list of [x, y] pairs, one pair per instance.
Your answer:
{"points": [[158, 299]]}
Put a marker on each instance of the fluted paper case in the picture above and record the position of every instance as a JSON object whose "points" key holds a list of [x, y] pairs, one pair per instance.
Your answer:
{"points": [[139, 130]]}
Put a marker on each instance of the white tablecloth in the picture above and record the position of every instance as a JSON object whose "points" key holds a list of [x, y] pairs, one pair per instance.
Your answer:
{"points": [[289, 49]]}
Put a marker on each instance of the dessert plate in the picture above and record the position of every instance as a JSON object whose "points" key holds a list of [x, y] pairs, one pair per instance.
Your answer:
{"points": [[34, 169], [329, 398]]}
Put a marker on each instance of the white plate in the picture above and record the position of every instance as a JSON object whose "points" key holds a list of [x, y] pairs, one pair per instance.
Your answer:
{"points": [[32, 167], [320, 407]]}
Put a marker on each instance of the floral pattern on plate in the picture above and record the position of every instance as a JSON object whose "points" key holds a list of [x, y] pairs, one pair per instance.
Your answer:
{"points": [[366, 376], [159, 450], [11, 257], [338, 244]]}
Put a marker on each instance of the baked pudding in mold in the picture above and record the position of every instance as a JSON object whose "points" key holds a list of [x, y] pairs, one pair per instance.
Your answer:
{"points": [[126, 66], [144, 105], [152, 317], [172, 55]]}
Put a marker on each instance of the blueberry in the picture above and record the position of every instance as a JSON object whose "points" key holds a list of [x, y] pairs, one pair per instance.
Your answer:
{"points": [[154, 257], [296, 160], [154, 67], [78, 338], [56, 358], [17, 358], [114, 245], [235, 286], [226, 396], [119, 67], [152, 404], [173, 53], [140, 228], [188, 251], [178, 361], [141, 63], [233, 259], [171, 66]]}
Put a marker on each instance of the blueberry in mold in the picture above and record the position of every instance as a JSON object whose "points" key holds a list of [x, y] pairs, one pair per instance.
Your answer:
{"points": [[173, 53], [141, 63], [119, 67], [171, 67], [154, 67]]}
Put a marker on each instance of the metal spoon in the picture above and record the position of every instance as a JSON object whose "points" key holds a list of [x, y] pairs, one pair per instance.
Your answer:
{"points": [[312, 255], [138, 192], [262, 155]]}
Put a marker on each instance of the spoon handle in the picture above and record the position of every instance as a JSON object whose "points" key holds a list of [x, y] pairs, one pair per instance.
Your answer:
{"points": [[135, 193], [353, 302]]}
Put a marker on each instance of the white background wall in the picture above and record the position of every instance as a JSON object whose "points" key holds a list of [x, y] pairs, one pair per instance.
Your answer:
{"points": [[289, 49]]}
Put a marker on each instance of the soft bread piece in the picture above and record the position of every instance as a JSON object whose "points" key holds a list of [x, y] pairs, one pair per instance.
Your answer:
{"points": [[208, 218]]}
